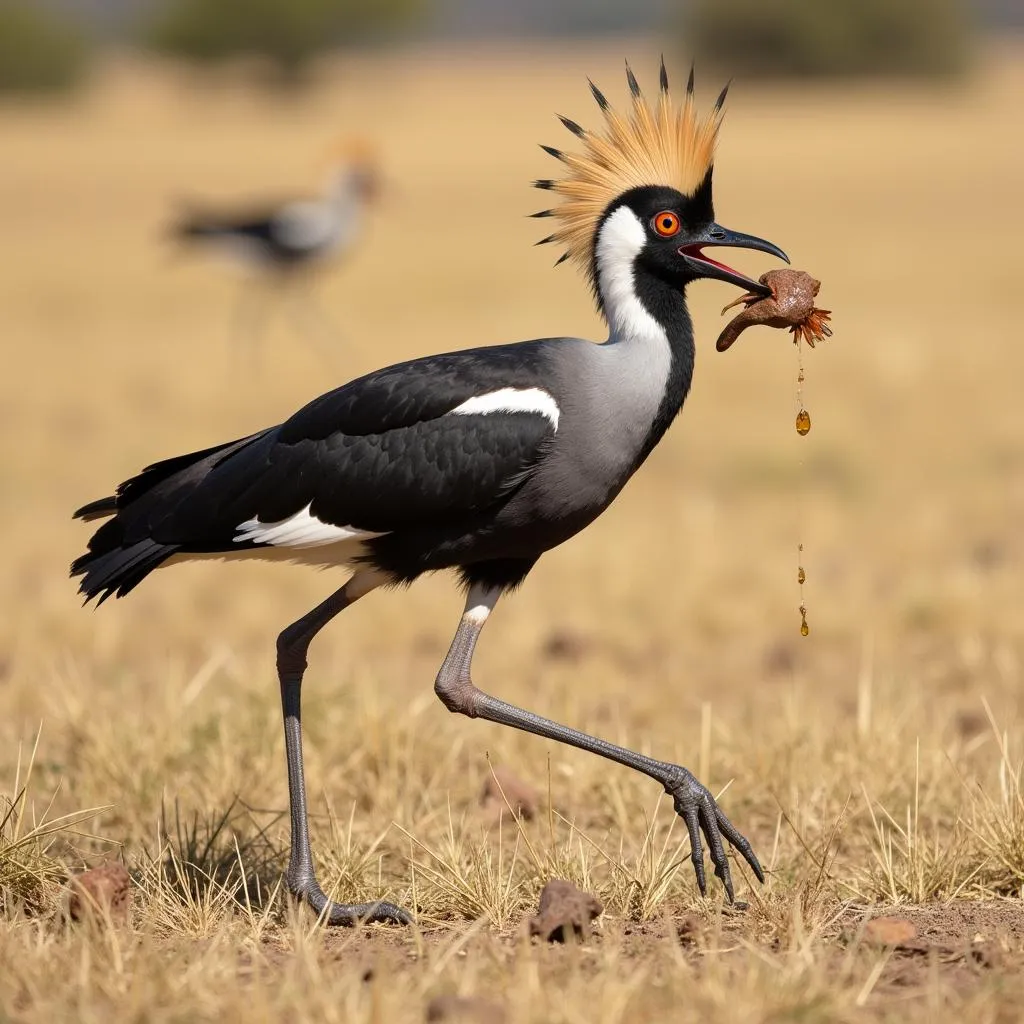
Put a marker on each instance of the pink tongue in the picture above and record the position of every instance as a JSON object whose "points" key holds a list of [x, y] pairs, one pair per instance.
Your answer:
{"points": [[707, 259]]}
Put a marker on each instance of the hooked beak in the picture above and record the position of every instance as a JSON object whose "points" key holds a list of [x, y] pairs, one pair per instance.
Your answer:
{"points": [[704, 266]]}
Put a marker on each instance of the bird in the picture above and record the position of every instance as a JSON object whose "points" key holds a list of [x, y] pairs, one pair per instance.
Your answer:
{"points": [[285, 241], [475, 462]]}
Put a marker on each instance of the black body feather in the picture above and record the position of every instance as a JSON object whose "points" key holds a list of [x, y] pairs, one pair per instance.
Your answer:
{"points": [[378, 454]]}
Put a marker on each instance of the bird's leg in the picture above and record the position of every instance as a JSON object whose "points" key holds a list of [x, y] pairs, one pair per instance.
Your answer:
{"points": [[249, 322], [693, 801], [315, 323], [292, 645]]}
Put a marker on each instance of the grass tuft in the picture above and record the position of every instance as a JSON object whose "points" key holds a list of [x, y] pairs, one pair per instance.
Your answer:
{"points": [[31, 873]]}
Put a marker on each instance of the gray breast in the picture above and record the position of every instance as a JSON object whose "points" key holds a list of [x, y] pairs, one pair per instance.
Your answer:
{"points": [[608, 396]]}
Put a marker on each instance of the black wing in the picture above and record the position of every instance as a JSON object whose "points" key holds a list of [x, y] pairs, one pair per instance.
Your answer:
{"points": [[268, 226], [379, 454]]}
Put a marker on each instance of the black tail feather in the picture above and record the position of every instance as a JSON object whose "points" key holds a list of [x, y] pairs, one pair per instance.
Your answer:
{"points": [[120, 553], [115, 572], [99, 509], [188, 229]]}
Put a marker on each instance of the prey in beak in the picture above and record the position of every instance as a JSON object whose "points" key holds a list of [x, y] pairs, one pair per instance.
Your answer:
{"points": [[715, 235]]}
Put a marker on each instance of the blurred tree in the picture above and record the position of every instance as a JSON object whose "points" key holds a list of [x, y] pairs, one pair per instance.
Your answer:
{"points": [[830, 37], [39, 51], [287, 32]]}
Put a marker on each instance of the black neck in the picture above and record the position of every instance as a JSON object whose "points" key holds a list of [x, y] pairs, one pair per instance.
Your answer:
{"points": [[667, 304]]}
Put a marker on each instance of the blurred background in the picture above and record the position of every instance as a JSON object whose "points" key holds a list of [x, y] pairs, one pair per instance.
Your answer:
{"points": [[879, 143], [50, 44]]}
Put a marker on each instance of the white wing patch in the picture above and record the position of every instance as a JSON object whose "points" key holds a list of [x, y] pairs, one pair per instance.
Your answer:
{"points": [[511, 400], [302, 530]]}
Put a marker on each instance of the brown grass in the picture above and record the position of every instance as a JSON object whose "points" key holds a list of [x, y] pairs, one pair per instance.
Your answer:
{"points": [[877, 762]]}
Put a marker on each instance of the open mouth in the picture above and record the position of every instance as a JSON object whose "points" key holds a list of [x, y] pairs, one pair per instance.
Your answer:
{"points": [[705, 266], [696, 252], [715, 235]]}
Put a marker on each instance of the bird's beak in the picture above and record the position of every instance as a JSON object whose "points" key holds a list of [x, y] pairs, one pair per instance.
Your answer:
{"points": [[715, 234]]}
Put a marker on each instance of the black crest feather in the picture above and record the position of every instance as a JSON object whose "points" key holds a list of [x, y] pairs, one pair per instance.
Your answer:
{"points": [[598, 95], [634, 85], [573, 127], [720, 102]]}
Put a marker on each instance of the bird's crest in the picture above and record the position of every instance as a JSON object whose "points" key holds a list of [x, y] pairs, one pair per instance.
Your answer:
{"points": [[665, 146], [348, 151]]}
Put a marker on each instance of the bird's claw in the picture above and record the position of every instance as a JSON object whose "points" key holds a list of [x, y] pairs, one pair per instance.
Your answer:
{"points": [[697, 807], [347, 914]]}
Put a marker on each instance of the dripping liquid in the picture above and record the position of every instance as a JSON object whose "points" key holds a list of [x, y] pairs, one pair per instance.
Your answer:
{"points": [[803, 426]]}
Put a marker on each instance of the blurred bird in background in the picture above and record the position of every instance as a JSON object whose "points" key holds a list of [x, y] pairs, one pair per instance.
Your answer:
{"points": [[280, 245]]}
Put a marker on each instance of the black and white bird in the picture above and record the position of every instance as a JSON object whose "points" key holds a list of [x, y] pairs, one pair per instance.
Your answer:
{"points": [[476, 461], [284, 242], [285, 236]]}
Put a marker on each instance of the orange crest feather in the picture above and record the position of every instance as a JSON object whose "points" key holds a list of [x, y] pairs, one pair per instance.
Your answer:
{"points": [[667, 146]]}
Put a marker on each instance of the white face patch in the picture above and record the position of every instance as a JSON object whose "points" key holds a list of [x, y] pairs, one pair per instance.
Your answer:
{"points": [[302, 530], [619, 242], [534, 400]]}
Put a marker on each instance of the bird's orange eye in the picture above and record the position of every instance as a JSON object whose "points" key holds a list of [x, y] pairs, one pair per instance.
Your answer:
{"points": [[666, 224]]}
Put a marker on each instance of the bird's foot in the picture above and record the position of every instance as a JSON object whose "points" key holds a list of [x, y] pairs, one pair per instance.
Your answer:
{"points": [[697, 807], [307, 889]]}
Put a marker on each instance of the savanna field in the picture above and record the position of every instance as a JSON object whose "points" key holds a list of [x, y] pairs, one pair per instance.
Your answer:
{"points": [[876, 765]]}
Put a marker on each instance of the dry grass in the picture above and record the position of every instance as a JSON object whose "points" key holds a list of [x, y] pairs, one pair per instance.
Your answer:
{"points": [[878, 762]]}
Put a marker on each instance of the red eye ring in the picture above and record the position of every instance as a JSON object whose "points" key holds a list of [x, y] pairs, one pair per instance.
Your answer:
{"points": [[666, 223]]}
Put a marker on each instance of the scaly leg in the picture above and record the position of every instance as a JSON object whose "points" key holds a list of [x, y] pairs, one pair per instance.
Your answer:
{"points": [[693, 801], [292, 645]]}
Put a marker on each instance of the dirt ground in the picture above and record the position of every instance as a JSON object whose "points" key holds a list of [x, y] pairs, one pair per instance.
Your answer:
{"points": [[876, 764]]}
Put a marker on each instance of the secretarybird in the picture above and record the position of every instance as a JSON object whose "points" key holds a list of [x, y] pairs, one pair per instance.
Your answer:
{"points": [[476, 461], [284, 242]]}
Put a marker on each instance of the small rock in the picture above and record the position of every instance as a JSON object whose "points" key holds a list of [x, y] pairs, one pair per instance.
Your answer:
{"points": [[564, 911], [99, 891], [890, 931], [451, 1007], [521, 796]]}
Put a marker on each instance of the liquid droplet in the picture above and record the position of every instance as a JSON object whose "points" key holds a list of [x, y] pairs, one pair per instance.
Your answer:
{"points": [[803, 422], [801, 576], [804, 628], [800, 377]]}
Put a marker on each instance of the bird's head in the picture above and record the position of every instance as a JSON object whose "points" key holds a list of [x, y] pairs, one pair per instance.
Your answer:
{"points": [[638, 200], [351, 167]]}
